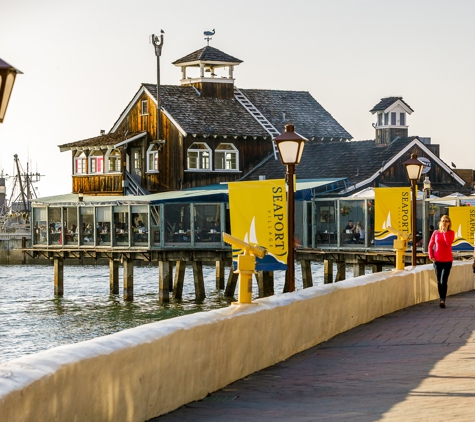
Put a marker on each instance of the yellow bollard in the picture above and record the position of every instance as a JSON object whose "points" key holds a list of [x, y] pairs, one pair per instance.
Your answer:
{"points": [[400, 245], [246, 266]]}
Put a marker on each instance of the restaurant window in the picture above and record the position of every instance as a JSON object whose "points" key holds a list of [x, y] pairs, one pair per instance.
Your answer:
{"points": [[177, 223], [95, 162], [86, 225], [55, 226], [70, 223], [152, 158], [40, 224], [80, 160], [113, 161], [121, 226], [226, 157], [103, 226], [199, 156], [139, 214]]}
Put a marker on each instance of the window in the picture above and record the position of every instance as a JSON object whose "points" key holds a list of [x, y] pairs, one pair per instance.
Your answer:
{"points": [[393, 118], [199, 156], [144, 108], [225, 157], [386, 118], [380, 119], [113, 161], [402, 119], [80, 163], [95, 161], [152, 158]]}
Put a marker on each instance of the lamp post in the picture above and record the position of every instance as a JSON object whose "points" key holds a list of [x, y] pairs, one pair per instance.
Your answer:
{"points": [[7, 79], [290, 145], [414, 171], [425, 209]]}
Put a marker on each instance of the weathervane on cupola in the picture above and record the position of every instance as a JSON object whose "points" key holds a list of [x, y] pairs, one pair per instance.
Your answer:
{"points": [[209, 34]]}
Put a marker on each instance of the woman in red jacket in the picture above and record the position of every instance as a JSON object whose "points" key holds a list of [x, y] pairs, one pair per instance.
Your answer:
{"points": [[440, 253]]}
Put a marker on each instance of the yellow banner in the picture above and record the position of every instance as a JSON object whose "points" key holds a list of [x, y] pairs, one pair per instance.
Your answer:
{"points": [[392, 208], [463, 224], [258, 212]]}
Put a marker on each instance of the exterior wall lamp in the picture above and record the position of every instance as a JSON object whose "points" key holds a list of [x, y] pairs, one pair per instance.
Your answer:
{"points": [[290, 145], [414, 172], [7, 79]]}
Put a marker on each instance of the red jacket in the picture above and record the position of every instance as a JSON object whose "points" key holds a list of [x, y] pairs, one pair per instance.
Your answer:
{"points": [[440, 246]]}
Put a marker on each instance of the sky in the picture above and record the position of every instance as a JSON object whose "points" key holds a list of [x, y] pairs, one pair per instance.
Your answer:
{"points": [[82, 63]]}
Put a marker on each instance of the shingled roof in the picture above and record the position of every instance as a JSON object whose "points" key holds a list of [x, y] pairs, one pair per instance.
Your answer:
{"points": [[387, 102], [201, 115], [299, 108], [207, 54], [100, 141], [335, 159]]}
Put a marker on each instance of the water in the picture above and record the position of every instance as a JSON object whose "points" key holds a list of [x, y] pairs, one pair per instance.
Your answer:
{"points": [[32, 319]]}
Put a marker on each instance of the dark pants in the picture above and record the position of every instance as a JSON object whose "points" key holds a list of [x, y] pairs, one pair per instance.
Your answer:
{"points": [[442, 271]]}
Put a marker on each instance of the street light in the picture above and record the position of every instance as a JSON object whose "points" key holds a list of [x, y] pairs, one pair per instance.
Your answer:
{"points": [[290, 145], [414, 171], [7, 79], [425, 213]]}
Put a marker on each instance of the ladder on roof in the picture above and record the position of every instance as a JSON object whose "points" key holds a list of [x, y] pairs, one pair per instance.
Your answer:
{"points": [[254, 112]]}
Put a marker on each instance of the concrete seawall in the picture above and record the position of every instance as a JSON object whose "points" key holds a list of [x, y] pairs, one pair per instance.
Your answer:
{"points": [[150, 370]]}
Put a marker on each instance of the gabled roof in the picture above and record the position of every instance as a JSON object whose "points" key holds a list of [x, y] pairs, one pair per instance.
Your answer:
{"points": [[204, 116], [387, 102], [359, 161], [207, 55], [109, 139]]}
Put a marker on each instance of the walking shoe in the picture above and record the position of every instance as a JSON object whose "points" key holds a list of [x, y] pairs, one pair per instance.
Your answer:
{"points": [[442, 304]]}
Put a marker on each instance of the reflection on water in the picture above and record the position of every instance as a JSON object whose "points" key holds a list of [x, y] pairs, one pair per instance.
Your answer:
{"points": [[32, 319]]}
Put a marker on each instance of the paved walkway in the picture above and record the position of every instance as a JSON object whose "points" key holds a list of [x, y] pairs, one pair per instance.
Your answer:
{"points": [[417, 364]]}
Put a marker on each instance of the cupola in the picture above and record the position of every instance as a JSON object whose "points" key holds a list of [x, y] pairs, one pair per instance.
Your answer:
{"points": [[391, 119], [209, 67]]}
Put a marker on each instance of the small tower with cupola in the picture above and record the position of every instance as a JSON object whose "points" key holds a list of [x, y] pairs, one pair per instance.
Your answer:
{"points": [[391, 119], [211, 79]]}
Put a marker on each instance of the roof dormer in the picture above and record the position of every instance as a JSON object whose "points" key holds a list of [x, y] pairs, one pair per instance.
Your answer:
{"points": [[209, 67], [391, 121]]}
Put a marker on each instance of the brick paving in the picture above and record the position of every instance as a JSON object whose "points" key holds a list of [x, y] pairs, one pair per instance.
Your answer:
{"points": [[417, 364]]}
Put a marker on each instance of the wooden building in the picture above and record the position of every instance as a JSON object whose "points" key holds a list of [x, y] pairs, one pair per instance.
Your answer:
{"points": [[374, 163], [210, 132]]}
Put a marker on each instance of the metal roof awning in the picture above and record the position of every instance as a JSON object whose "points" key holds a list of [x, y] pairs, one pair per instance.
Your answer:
{"points": [[306, 190]]}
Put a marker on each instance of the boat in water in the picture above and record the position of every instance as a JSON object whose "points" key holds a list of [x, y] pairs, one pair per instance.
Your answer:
{"points": [[16, 192]]}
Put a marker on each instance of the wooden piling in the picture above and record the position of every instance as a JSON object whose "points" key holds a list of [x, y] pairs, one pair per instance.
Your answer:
{"points": [[164, 276], [328, 271], [341, 268], [377, 268], [180, 268], [220, 275], [128, 280], [58, 276], [199, 280], [358, 269], [306, 273], [265, 283], [114, 277], [232, 282]]}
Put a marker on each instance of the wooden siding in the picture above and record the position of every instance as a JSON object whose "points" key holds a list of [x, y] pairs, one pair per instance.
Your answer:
{"points": [[216, 90], [387, 135], [100, 184]]}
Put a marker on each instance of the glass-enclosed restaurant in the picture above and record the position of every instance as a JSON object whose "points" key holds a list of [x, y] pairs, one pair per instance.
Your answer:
{"points": [[189, 220]]}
